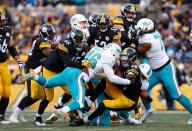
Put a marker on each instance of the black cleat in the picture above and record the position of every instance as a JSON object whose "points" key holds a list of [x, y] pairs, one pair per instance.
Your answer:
{"points": [[77, 123], [39, 121]]}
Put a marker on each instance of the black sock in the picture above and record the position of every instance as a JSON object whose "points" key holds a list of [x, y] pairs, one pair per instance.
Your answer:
{"points": [[3, 105], [100, 88], [25, 102], [44, 103], [65, 98], [99, 111]]}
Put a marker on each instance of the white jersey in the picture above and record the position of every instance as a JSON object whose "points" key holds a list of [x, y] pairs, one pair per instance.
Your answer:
{"points": [[103, 62], [156, 54]]}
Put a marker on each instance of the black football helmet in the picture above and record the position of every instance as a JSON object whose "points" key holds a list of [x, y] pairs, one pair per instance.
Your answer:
{"points": [[128, 57], [92, 19], [3, 19], [78, 37], [129, 12], [47, 32], [103, 22]]}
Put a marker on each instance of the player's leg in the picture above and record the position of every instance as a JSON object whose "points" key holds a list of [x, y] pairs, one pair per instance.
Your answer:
{"points": [[171, 84], [48, 95], [32, 96], [5, 91], [153, 80]]}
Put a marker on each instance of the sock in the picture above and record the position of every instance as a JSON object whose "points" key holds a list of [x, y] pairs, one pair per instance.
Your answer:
{"points": [[65, 98], [184, 101], [17, 112], [147, 105], [36, 77], [3, 105], [25, 102], [99, 111], [44, 103], [98, 90], [65, 109], [40, 79], [38, 115]]}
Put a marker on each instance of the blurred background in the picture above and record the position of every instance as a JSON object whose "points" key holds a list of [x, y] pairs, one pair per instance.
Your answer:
{"points": [[173, 19]]}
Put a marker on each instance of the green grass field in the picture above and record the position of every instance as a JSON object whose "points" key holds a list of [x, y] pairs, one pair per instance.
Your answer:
{"points": [[160, 121]]}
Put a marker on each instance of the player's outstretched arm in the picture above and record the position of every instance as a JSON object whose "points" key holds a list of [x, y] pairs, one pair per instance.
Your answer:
{"points": [[108, 70]]}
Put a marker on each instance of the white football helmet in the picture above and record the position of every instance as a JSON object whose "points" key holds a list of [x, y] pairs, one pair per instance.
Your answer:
{"points": [[145, 25], [145, 70], [114, 49], [79, 21]]}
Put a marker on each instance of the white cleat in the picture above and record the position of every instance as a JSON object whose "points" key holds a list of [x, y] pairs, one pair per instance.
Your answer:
{"points": [[131, 120], [39, 121], [22, 119], [13, 119], [3, 121], [147, 114], [22, 79], [52, 118], [189, 122]]}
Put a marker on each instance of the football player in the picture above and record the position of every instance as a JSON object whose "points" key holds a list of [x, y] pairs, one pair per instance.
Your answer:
{"points": [[151, 45], [123, 98], [103, 33], [93, 19], [41, 47], [102, 59], [126, 24], [79, 21], [6, 43]]}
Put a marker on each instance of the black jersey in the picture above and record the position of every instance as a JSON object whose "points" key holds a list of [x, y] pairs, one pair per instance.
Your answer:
{"points": [[133, 90], [101, 39], [36, 54], [5, 34], [65, 55], [126, 42]]}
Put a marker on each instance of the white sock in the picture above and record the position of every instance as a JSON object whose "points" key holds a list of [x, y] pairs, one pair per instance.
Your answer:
{"points": [[59, 102], [36, 77], [65, 109], [17, 112], [38, 115], [89, 102]]}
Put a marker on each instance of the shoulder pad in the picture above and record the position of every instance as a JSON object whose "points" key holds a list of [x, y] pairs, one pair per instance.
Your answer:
{"points": [[62, 47], [118, 20]]}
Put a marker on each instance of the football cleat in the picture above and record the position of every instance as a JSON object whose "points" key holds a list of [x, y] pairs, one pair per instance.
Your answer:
{"points": [[22, 79], [14, 119], [39, 121], [147, 114], [3, 121], [52, 118], [131, 120], [189, 122]]}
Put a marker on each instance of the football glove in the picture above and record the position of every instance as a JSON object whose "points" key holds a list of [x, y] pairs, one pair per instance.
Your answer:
{"points": [[87, 63], [21, 64]]}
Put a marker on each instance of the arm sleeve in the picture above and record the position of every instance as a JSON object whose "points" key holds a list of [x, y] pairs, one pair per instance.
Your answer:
{"points": [[13, 51], [66, 59], [112, 77]]}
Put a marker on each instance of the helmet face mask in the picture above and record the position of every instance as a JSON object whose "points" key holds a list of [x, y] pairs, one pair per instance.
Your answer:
{"points": [[129, 12], [103, 22], [127, 57], [78, 38], [79, 21]]}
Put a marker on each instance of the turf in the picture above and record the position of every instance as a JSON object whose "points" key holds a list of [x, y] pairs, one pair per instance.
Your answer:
{"points": [[160, 121]]}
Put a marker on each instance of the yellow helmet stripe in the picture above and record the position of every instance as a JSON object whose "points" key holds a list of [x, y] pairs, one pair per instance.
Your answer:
{"points": [[2, 14], [102, 18]]}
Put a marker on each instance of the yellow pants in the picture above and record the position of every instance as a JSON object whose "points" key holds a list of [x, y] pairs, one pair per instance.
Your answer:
{"points": [[5, 76], [37, 91], [119, 100]]}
